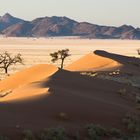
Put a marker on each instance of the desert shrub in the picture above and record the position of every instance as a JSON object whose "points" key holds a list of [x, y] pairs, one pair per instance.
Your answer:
{"points": [[77, 136], [138, 107], [3, 138], [114, 132], [132, 138], [132, 123], [138, 99], [90, 74], [122, 91], [28, 135], [53, 134], [95, 131]]}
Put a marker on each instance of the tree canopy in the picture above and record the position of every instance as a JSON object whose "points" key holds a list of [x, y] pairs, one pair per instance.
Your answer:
{"points": [[6, 60], [60, 55]]}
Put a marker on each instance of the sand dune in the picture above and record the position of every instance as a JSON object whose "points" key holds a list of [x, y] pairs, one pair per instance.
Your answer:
{"points": [[83, 99], [130, 65], [22, 85], [92, 62]]}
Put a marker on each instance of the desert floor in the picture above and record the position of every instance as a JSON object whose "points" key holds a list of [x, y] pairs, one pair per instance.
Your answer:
{"points": [[37, 50]]}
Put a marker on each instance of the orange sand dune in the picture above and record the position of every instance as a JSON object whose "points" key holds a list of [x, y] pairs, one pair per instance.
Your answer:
{"points": [[92, 62], [82, 98], [22, 84]]}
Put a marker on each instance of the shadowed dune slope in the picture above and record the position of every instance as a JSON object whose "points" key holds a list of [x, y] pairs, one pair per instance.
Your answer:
{"points": [[81, 98], [92, 62]]}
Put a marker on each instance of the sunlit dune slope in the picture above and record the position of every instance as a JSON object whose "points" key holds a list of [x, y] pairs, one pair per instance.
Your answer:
{"points": [[92, 62], [22, 84]]}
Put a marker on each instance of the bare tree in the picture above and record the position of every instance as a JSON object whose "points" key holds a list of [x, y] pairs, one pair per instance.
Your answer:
{"points": [[6, 60], [60, 55]]}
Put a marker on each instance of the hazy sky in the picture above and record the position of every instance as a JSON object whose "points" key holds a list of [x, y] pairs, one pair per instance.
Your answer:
{"points": [[103, 12]]}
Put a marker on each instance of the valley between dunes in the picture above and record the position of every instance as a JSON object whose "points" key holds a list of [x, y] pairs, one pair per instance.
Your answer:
{"points": [[35, 97]]}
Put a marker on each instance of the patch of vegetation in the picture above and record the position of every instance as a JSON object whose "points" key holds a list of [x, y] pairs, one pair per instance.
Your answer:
{"points": [[132, 124], [138, 107], [114, 132], [138, 98], [90, 74], [94, 132], [53, 134], [28, 135], [4, 138], [77, 136], [90, 132], [122, 92]]}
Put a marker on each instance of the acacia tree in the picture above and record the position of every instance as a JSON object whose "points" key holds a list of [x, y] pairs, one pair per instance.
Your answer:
{"points": [[6, 60], [60, 55]]}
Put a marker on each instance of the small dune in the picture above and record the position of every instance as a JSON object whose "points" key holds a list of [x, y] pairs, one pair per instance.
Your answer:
{"points": [[92, 62]]}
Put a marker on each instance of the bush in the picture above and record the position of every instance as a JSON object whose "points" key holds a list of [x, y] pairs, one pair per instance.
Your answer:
{"points": [[133, 125], [138, 99], [28, 135], [122, 91], [77, 137], [138, 107], [53, 134], [95, 131], [115, 132], [3, 138]]}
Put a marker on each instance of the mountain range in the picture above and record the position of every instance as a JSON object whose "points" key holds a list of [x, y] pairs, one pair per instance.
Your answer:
{"points": [[63, 26]]}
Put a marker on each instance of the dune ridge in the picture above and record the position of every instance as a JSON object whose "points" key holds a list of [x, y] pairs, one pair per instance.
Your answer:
{"points": [[92, 62]]}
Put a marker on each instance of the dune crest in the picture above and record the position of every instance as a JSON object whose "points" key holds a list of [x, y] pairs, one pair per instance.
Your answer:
{"points": [[23, 84], [92, 62]]}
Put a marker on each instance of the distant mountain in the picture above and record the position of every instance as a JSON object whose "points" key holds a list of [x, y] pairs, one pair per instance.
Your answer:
{"points": [[53, 26], [19, 30], [8, 20], [63, 26]]}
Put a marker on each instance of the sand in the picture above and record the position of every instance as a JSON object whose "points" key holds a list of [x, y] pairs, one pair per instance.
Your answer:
{"points": [[83, 99], [38, 95], [21, 85], [92, 62]]}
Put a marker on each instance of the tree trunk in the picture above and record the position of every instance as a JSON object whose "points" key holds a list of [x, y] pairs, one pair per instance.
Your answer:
{"points": [[6, 70], [62, 64]]}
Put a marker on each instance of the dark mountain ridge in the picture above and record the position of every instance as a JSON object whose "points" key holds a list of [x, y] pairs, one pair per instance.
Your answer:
{"points": [[63, 26]]}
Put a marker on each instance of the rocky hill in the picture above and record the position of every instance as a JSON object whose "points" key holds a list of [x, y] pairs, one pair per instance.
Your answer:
{"points": [[63, 26]]}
